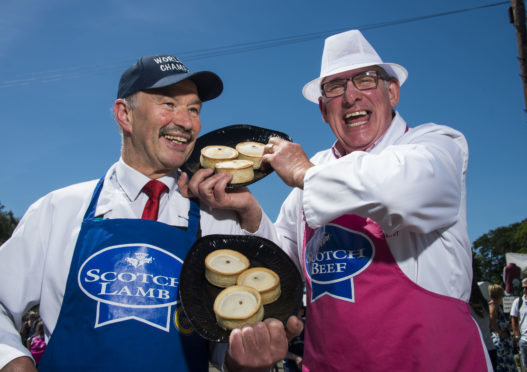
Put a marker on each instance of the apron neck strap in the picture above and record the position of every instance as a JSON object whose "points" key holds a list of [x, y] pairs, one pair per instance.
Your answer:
{"points": [[90, 212], [193, 214], [194, 218]]}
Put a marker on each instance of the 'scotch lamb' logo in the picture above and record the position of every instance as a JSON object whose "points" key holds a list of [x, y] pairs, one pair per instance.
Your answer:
{"points": [[333, 256], [132, 281], [139, 259]]}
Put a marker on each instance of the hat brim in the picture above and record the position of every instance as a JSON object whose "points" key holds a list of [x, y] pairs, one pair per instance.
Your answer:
{"points": [[311, 91], [208, 83]]}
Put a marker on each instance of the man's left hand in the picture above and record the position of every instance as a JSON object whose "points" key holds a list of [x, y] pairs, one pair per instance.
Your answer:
{"points": [[210, 189]]}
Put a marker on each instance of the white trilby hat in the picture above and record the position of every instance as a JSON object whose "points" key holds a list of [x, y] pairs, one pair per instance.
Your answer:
{"points": [[348, 51]]}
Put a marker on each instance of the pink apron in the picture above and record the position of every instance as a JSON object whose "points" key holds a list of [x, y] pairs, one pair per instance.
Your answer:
{"points": [[365, 314]]}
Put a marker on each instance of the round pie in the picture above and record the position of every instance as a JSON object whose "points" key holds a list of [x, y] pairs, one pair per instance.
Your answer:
{"points": [[238, 305], [242, 170], [252, 151], [210, 155], [223, 266], [265, 281]]}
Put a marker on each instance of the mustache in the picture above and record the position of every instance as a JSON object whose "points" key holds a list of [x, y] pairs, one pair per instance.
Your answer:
{"points": [[175, 130]]}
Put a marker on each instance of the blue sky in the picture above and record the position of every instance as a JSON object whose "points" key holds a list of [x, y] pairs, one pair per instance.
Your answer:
{"points": [[60, 62]]}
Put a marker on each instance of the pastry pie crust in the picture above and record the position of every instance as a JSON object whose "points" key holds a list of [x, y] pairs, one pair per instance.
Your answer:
{"points": [[210, 155], [264, 280], [252, 151], [223, 266], [238, 305], [242, 170]]}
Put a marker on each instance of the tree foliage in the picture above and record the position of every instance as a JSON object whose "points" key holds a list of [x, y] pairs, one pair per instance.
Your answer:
{"points": [[8, 223], [489, 250]]}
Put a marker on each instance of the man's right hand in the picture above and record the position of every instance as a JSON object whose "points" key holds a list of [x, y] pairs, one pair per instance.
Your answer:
{"points": [[258, 346], [21, 364], [288, 159]]}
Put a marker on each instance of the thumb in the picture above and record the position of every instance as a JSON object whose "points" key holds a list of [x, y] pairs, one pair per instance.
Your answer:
{"points": [[294, 327], [182, 183]]}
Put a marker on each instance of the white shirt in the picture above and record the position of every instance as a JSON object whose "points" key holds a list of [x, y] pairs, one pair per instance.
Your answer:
{"points": [[413, 185], [35, 261], [521, 314]]}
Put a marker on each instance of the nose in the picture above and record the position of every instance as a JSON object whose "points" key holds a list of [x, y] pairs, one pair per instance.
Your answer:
{"points": [[183, 118], [351, 94]]}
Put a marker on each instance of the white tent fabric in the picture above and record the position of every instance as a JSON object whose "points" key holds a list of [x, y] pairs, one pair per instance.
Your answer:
{"points": [[519, 259]]}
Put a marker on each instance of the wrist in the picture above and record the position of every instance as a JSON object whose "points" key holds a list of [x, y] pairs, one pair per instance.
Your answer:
{"points": [[230, 365], [300, 175], [250, 217]]}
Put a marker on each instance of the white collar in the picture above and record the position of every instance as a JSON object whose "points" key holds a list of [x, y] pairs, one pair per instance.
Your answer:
{"points": [[132, 181]]}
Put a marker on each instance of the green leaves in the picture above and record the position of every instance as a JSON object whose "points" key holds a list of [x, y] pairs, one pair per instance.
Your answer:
{"points": [[7, 224]]}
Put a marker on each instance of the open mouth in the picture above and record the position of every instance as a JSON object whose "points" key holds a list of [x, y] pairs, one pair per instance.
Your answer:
{"points": [[356, 118], [176, 139]]}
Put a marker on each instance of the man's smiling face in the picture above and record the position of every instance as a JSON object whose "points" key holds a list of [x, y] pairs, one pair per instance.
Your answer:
{"points": [[359, 117], [162, 129]]}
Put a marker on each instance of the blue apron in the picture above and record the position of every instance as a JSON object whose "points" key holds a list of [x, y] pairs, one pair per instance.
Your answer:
{"points": [[121, 310]]}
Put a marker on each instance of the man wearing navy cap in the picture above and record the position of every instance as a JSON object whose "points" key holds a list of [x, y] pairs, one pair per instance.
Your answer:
{"points": [[102, 258]]}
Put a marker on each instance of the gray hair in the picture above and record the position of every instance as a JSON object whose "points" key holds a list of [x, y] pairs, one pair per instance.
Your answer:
{"points": [[131, 102]]}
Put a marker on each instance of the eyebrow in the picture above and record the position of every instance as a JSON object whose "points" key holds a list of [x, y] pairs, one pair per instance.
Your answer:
{"points": [[161, 93], [197, 102], [379, 70]]}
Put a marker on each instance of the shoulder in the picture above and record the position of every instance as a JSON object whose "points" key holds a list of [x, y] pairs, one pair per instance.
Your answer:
{"points": [[515, 305], [71, 198], [436, 132], [322, 157], [444, 142], [75, 194]]}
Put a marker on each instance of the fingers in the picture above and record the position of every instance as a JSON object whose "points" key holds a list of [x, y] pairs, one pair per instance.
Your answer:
{"points": [[270, 149], [258, 345], [219, 186], [204, 185], [183, 186], [277, 336], [288, 160], [294, 327], [273, 145], [236, 342], [276, 140], [210, 188], [197, 178], [256, 337]]}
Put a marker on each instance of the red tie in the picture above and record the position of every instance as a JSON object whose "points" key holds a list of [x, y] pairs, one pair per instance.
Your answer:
{"points": [[153, 189]]}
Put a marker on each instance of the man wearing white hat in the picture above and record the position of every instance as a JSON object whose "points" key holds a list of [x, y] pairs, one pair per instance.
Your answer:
{"points": [[378, 225]]}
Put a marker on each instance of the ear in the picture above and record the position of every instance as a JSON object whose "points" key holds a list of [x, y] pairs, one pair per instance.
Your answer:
{"points": [[123, 115], [323, 109], [394, 91]]}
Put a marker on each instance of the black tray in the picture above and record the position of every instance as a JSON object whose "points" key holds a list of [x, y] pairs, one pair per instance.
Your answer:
{"points": [[197, 295], [231, 136]]}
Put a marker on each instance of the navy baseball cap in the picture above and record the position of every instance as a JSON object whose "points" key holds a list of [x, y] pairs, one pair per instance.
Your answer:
{"points": [[163, 70]]}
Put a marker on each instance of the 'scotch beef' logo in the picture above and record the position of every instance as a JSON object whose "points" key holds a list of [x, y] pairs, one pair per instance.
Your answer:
{"points": [[333, 256]]}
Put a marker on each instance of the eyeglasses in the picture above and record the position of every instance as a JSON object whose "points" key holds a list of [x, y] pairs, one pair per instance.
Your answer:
{"points": [[362, 81]]}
